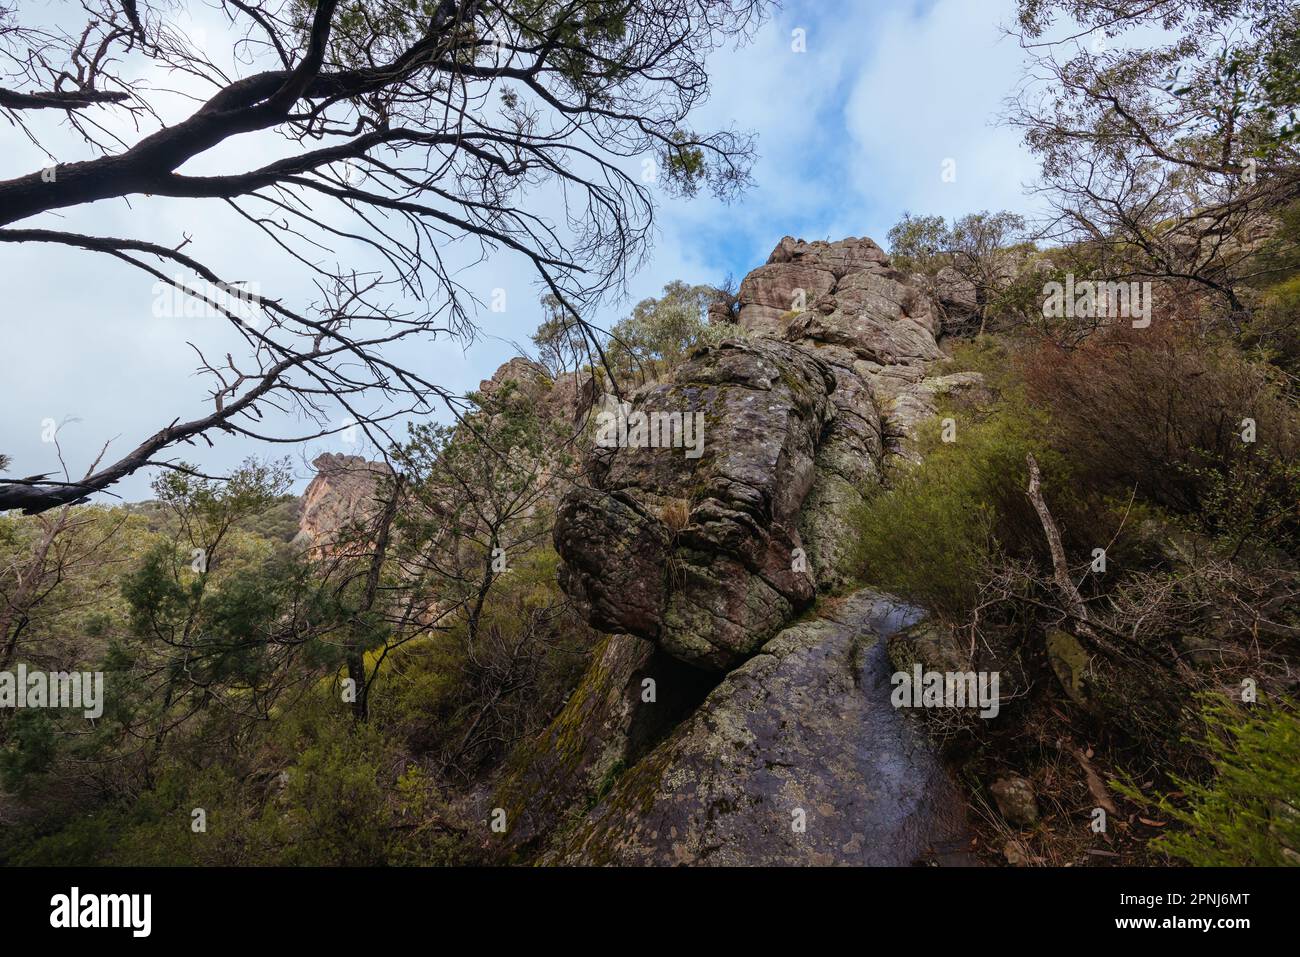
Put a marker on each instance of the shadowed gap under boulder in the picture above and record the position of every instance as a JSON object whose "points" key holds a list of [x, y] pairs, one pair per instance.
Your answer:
{"points": [[679, 689]]}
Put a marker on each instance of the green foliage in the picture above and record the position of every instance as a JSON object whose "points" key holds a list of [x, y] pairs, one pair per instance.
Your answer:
{"points": [[983, 251], [325, 795], [660, 333], [561, 345], [933, 536], [331, 809], [1248, 813], [464, 700], [1280, 78], [917, 243], [30, 749]]}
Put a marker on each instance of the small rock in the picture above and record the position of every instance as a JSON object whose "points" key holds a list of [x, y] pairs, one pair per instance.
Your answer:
{"points": [[1015, 854], [1015, 799]]}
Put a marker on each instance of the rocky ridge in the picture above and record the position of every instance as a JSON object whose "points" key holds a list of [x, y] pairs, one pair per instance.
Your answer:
{"points": [[714, 717], [341, 493]]}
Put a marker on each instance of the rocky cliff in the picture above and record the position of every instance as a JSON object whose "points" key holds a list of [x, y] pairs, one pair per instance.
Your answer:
{"points": [[342, 493], [729, 719]]}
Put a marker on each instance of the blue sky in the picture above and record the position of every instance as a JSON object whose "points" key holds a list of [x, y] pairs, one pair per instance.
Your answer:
{"points": [[851, 132]]}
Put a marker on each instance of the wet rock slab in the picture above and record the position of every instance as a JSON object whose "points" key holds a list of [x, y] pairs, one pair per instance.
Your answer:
{"points": [[805, 726]]}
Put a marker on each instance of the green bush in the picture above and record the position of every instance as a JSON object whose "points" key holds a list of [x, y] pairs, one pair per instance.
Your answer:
{"points": [[934, 535], [1249, 812]]}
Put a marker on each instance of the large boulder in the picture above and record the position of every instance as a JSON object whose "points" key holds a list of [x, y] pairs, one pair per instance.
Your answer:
{"points": [[609, 722], [771, 294], [796, 275], [702, 555], [797, 757]]}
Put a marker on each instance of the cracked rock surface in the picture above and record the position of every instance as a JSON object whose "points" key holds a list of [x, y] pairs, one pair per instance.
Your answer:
{"points": [[779, 744], [797, 757]]}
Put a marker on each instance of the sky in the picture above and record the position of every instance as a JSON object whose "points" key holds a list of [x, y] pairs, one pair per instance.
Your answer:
{"points": [[860, 107]]}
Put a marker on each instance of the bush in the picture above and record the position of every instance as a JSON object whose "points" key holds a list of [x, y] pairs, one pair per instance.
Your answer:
{"points": [[1249, 812], [1162, 409], [934, 536], [463, 707]]}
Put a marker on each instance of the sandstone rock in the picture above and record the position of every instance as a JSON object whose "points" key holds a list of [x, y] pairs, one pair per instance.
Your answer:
{"points": [[958, 301], [1069, 662], [877, 317], [838, 258], [530, 379], [772, 293], [1015, 799], [1015, 853], [802, 733], [713, 589], [720, 314], [710, 559], [848, 463], [875, 335], [804, 273], [561, 766], [343, 492], [910, 404], [572, 397], [606, 726], [932, 645]]}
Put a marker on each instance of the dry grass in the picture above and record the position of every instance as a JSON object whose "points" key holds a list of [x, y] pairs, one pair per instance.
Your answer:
{"points": [[675, 513]]}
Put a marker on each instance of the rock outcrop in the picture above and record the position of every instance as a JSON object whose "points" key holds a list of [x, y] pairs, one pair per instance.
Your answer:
{"points": [[564, 398], [797, 757], [777, 742], [342, 493], [702, 556], [799, 417]]}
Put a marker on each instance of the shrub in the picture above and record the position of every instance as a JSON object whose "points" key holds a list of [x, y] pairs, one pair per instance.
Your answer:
{"points": [[463, 703], [1249, 812], [933, 537], [1162, 409]]}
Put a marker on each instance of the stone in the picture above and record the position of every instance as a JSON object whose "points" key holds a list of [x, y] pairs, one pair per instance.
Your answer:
{"points": [[711, 588], [344, 492], [530, 379], [1015, 853], [877, 317], [767, 489], [796, 757], [709, 561], [770, 295], [1015, 799]]}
